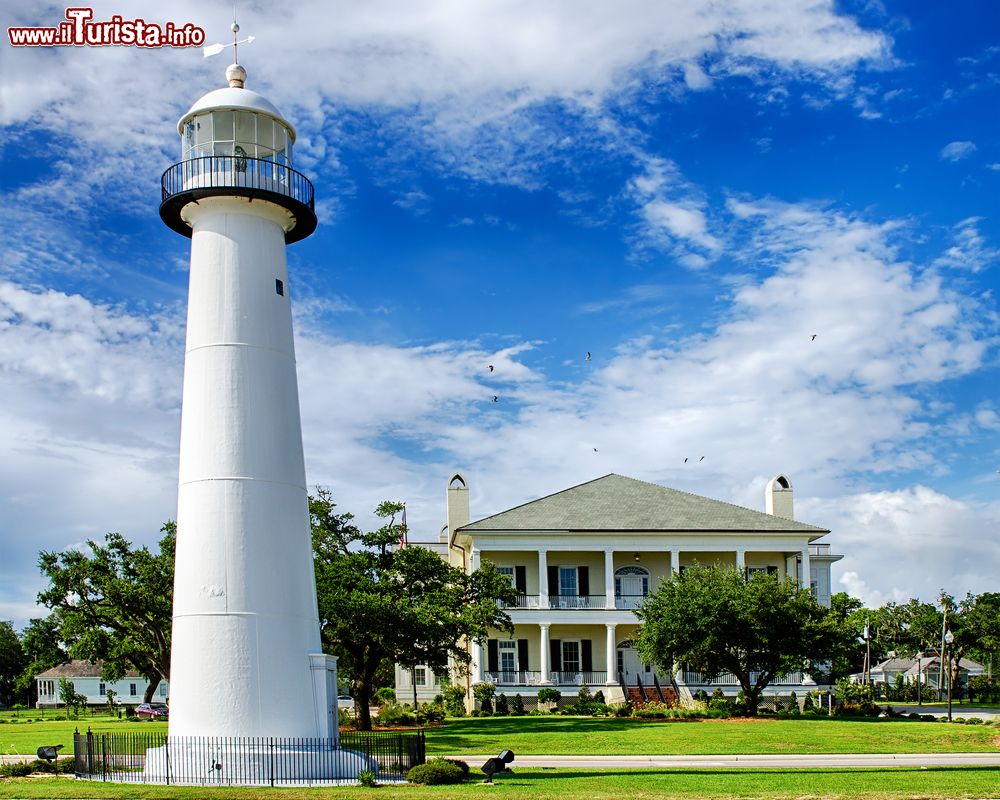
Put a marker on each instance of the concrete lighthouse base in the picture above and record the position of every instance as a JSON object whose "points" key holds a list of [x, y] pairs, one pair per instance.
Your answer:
{"points": [[253, 762]]}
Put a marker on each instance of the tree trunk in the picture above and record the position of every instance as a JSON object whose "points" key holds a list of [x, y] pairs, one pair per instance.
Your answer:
{"points": [[151, 689], [362, 704]]}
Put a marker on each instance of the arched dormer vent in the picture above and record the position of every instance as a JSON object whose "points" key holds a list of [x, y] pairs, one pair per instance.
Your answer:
{"points": [[631, 571], [457, 482]]}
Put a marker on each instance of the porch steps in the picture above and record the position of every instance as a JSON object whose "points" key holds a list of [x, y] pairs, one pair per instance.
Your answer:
{"points": [[647, 694]]}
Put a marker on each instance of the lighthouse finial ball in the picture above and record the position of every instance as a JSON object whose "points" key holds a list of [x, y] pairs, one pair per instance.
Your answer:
{"points": [[236, 75]]}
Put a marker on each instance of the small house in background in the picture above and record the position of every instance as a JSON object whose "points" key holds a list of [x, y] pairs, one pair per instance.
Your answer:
{"points": [[583, 559], [924, 668], [87, 679]]}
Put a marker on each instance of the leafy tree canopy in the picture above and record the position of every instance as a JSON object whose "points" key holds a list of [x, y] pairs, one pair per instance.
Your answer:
{"points": [[12, 661], [43, 649], [114, 604], [381, 604], [717, 620]]}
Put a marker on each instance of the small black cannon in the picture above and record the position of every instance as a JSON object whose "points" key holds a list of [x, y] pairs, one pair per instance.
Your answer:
{"points": [[498, 764]]}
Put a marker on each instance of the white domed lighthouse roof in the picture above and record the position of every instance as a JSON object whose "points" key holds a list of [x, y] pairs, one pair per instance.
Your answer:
{"points": [[235, 99]]}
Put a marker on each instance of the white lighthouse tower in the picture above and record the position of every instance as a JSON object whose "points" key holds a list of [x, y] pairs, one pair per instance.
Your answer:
{"points": [[246, 658]]}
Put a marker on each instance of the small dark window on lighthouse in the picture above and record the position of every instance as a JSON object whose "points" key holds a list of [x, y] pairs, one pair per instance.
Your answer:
{"points": [[279, 286]]}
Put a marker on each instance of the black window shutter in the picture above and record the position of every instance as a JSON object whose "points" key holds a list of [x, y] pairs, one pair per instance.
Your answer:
{"points": [[587, 655], [521, 580], [555, 648], [493, 656], [522, 655], [554, 581], [583, 580]]}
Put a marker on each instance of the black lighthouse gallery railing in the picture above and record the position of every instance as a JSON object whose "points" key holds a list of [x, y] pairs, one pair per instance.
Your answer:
{"points": [[231, 761], [242, 176]]}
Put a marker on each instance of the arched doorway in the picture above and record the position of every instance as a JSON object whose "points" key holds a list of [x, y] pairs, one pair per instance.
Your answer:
{"points": [[630, 667], [631, 586]]}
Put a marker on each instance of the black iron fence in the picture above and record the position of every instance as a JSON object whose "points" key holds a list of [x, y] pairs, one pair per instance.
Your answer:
{"points": [[228, 172], [245, 761]]}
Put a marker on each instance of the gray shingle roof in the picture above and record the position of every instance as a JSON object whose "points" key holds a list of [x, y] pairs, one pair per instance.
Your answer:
{"points": [[80, 669], [617, 503]]}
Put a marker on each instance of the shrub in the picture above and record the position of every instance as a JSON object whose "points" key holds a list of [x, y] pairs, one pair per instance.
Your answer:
{"points": [[437, 771], [395, 714], [982, 688], [367, 778], [345, 718], [17, 770], [549, 695], [454, 700], [484, 692], [517, 706], [584, 697], [501, 704], [599, 696], [622, 709], [958, 720], [385, 695], [430, 712], [927, 718], [973, 721]]}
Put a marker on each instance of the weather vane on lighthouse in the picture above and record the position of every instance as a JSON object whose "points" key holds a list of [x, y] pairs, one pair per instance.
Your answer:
{"points": [[214, 49]]}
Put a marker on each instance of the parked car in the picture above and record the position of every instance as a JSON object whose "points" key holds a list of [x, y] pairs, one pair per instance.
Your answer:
{"points": [[345, 701], [152, 711]]}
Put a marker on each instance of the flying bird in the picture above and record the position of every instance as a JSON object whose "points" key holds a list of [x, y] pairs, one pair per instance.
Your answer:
{"points": [[595, 449], [588, 355], [496, 399], [702, 458], [685, 461], [813, 338], [491, 368]]}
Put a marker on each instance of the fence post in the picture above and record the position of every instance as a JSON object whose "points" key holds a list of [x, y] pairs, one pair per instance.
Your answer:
{"points": [[271, 760]]}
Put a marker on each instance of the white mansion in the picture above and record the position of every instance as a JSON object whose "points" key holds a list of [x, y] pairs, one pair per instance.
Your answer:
{"points": [[583, 559]]}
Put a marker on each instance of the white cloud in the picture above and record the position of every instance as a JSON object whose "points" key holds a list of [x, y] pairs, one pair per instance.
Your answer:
{"points": [[903, 544], [673, 213], [970, 249], [956, 151]]}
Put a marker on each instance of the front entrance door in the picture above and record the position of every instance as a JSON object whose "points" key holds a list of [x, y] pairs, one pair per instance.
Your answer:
{"points": [[630, 666]]}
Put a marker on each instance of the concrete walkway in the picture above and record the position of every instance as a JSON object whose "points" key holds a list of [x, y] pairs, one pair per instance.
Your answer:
{"points": [[805, 761]]}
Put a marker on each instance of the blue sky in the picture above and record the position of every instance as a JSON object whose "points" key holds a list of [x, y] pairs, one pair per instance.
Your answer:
{"points": [[689, 192]]}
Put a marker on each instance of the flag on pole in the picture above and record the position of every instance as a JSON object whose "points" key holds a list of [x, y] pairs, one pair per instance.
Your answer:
{"points": [[402, 529]]}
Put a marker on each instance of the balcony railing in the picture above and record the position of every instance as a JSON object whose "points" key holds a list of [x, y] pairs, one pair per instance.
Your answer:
{"points": [[578, 601], [579, 677], [728, 679], [629, 602], [190, 180], [515, 678], [523, 601]]}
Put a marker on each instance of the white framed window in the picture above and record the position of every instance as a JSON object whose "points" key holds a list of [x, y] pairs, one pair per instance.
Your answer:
{"points": [[102, 689], [570, 655], [568, 581], [163, 689], [509, 572], [420, 676], [133, 690]]}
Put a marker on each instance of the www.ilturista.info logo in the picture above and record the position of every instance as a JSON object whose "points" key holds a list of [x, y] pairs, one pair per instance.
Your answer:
{"points": [[78, 31]]}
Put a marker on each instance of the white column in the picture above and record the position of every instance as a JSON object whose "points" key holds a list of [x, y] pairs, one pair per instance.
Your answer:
{"points": [[473, 558], [611, 660], [545, 653], [741, 563], [609, 581], [804, 573], [675, 561], [477, 662], [543, 582]]}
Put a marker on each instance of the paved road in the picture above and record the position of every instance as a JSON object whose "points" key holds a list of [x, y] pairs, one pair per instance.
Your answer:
{"points": [[810, 761], [941, 710]]}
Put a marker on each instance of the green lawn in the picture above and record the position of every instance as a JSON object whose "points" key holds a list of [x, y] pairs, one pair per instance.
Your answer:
{"points": [[536, 784], [558, 735], [27, 737]]}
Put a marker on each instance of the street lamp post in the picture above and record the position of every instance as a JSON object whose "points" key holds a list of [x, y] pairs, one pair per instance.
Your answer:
{"points": [[949, 637]]}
